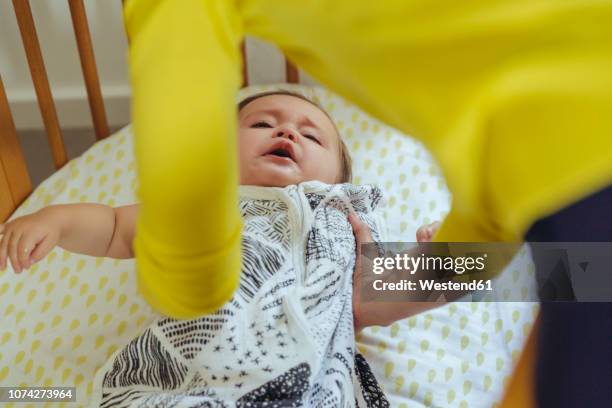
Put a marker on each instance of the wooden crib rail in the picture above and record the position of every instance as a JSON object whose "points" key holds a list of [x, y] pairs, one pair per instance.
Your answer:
{"points": [[245, 71], [292, 74], [88, 65], [23, 12], [15, 184]]}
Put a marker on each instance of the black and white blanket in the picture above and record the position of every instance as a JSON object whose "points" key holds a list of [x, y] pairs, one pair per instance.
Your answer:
{"points": [[286, 338]]}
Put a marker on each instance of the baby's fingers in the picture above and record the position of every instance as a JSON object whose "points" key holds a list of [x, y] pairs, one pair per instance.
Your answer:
{"points": [[42, 249], [3, 244], [12, 251], [24, 249]]}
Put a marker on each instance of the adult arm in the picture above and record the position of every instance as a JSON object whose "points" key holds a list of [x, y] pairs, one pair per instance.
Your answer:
{"points": [[184, 70]]}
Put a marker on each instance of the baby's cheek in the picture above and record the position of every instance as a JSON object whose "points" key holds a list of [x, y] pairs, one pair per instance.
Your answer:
{"points": [[325, 167]]}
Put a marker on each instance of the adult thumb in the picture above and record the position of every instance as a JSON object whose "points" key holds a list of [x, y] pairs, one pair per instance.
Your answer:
{"points": [[361, 230]]}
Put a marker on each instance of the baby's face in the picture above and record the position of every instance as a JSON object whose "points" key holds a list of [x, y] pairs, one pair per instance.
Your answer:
{"points": [[285, 140]]}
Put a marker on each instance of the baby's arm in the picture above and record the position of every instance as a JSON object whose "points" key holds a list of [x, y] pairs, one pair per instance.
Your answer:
{"points": [[121, 245], [90, 229], [96, 229]]}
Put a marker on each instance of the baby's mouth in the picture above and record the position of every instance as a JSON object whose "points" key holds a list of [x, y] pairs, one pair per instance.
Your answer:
{"points": [[282, 153]]}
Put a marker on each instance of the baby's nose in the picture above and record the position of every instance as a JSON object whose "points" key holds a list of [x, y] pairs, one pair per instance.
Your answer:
{"points": [[287, 134]]}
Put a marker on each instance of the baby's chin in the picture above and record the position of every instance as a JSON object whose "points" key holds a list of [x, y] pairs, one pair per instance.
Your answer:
{"points": [[270, 177]]}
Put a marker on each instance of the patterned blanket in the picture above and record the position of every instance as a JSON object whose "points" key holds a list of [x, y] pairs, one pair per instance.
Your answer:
{"points": [[286, 337]]}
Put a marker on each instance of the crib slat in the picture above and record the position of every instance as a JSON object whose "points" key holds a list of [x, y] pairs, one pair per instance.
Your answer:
{"points": [[14, 177], [127, 37], [41, 82], [245, 71], [88, 66], [7, 205], [291, 72]]}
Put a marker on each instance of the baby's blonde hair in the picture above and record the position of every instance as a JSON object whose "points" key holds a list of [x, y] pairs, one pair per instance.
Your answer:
{"points": [[346, 163]]}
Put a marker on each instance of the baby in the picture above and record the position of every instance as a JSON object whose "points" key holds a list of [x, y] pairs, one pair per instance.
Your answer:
{"points": [[283, 139], [287, 335]]}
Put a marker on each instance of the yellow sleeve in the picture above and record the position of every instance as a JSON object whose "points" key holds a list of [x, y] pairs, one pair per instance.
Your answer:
{"points": [[513, 97], [184, 69]]}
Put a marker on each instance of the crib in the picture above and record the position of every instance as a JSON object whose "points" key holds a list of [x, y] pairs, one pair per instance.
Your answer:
{"points": [[14, 179], [387, 347]]}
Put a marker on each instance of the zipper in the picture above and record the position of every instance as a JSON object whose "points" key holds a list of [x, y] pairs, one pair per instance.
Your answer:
{"points": [[296, 199], [300, 236]]}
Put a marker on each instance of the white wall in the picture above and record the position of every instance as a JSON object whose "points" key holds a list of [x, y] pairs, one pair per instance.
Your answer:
{"points": [[56, 36]]}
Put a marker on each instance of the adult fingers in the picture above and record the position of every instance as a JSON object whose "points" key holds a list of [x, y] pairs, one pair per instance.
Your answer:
{"points": [[361, 230], [422, 235], [427, 232]]}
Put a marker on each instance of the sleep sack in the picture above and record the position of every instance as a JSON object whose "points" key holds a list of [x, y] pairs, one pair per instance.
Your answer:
{"points": [[286, 337]]}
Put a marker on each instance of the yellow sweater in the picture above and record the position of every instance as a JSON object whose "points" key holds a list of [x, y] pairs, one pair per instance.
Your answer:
{"points": [[514, 99]]}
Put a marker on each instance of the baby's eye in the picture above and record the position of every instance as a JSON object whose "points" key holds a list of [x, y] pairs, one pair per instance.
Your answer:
{"points": [[311, 137], [261, 124]]}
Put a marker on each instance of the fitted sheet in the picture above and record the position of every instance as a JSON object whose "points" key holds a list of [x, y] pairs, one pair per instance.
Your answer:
{"points": [[68, 314]]}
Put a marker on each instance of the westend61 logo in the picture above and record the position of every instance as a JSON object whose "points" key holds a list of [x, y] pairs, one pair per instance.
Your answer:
{"points": [[422, 262]]}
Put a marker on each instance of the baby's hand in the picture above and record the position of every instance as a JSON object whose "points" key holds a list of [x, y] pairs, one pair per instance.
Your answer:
{"points": [[26, 240], [426, 232]]}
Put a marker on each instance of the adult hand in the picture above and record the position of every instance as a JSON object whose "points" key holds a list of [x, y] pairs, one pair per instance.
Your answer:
{"points": [[381, 313], [362, 235]]}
